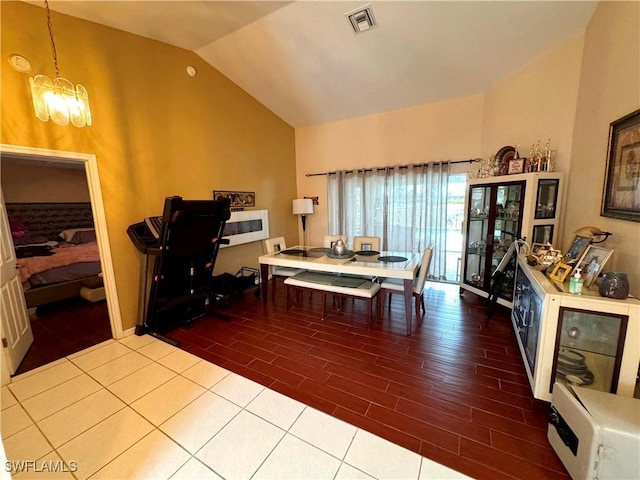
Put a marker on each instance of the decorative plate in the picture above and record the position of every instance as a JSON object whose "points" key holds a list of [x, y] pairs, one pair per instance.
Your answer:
{"points": [[502, 159]]}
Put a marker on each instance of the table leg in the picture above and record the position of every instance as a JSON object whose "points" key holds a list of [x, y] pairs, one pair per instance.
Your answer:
{"points": [[264, 279], [408, 307]]}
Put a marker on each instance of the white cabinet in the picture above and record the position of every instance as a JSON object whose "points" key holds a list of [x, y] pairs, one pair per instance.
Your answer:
{"points": [[499, 210], [583, 339]]}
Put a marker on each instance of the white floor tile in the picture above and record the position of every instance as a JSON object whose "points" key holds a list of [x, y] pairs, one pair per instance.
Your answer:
{"points": [[324, 431], [7, 399], [195, 424], [49, 467], [96, 447], [238, 389], [195, 469], [154, 457], [90, 349], [430, 470], [179, 361], [347, 472], [166, 400], [137, 341], [71, 421], [27, 444], [276, 408], [14, 419], [26, 387], [100, 356], [157, 349], [240, 448], [35, 371], [294, 459], [139, 383], [205, 374], [55, 399], [381, 458], [119, 368]]}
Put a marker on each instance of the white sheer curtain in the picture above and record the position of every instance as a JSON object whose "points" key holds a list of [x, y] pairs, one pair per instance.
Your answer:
{"points": [[405, 206]]}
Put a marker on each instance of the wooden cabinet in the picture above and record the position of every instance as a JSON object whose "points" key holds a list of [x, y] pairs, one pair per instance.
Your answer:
{"points": [[499, 210], [583, 339]]}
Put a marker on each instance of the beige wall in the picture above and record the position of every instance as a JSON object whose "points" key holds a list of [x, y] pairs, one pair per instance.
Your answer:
{"points": [[156, 131], [36, 183], [447, 130], [569, 95], [609, 89]]}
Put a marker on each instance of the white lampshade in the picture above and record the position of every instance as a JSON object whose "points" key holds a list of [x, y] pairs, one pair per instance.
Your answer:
{"points": [[302, 206]]}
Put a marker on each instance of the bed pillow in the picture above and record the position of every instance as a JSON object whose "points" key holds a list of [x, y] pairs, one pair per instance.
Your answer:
{"points": [[67, 235], [29, 240], [83, 236]]}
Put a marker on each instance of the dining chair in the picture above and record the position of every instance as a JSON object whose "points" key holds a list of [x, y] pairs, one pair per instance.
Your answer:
{"points": [[329, 240], [362, 243], [394, 285], [273, 245]]}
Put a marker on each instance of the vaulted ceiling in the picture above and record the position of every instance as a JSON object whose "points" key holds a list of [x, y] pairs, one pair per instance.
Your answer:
{"points": [[304, 62]]}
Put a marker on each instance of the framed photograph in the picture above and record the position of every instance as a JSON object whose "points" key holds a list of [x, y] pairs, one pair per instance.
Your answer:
{"points": [[540, 248], [591, 263], [238, 199], [516, 166], [577, 248], [560, 272], [621, 197]]}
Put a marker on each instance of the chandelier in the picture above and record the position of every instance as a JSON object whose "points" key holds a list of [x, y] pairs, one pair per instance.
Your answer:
{"points": [[58, 100]]}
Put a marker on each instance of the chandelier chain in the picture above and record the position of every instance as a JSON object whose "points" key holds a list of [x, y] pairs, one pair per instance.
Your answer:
{"points": [[53, 43]]}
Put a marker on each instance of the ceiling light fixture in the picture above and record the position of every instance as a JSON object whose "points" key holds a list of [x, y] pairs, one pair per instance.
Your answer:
{"points": [[362, 19], [58, 100]]}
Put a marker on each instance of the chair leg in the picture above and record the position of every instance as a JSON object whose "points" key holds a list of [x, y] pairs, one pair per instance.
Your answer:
{"points": [[287, 289], [324, 304], [369, 316], [273, 286]]}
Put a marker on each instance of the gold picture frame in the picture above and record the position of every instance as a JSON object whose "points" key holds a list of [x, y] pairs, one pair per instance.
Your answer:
{"points": [[560, 272], [622, 181]]}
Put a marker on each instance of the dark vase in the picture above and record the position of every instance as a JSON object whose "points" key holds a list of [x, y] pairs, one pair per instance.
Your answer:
{"points": [[614, 285]]}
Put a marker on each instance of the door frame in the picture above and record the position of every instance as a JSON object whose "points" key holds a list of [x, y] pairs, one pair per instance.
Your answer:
{"points": [[90, 164]]}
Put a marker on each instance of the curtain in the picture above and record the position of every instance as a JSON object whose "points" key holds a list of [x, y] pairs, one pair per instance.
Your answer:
{"points": [[405, 206]]}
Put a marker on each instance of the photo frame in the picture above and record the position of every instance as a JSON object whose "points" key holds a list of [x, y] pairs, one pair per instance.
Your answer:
{"points": [[516, 166], [560, 272], [621, 196], [591, 263], [238, 199], [540, 248], [577, 248]]}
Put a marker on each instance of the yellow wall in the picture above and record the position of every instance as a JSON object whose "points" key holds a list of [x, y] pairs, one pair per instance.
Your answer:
{"points": [[156, 131]]}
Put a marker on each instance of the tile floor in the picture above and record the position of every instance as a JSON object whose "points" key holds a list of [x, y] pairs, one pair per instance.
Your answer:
{"points": [[141, 408]]}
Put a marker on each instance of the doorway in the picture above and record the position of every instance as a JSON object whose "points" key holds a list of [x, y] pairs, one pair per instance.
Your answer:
{"points": [[88, 164]]}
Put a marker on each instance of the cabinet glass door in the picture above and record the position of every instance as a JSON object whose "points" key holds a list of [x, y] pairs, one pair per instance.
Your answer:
{"points": [[506, 229], [477, 232], [589, 349]]}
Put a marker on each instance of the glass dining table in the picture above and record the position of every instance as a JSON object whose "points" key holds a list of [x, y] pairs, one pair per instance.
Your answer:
{"points": [[386, 264]]}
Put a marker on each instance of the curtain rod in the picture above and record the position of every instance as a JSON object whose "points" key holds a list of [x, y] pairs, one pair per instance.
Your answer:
{"points": [[379, 169]]}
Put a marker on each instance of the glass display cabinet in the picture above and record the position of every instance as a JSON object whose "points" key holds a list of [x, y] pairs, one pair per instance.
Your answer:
{"points": [[586, 340], [499, 210]]}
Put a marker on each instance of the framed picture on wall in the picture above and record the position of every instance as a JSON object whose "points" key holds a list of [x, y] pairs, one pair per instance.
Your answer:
{"points": [[621, 198], [238, 199]]}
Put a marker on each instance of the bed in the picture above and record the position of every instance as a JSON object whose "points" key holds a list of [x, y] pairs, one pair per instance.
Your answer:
{"points": [[56, 249]]}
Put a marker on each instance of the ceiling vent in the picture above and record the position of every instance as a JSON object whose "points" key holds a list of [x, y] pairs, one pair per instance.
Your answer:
{"points": [[362, 19]]}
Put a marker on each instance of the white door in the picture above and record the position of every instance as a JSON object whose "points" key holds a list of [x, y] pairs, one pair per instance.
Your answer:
{"points": [[16, 332]]}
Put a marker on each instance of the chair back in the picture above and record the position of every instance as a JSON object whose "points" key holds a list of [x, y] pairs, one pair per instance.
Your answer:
{"points": [[366, 243], [275, 244], [418, 286], [329, 240]]}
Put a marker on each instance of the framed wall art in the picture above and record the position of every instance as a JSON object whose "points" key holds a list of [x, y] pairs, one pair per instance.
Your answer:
{"points": [[621, 198], [238, 199]]}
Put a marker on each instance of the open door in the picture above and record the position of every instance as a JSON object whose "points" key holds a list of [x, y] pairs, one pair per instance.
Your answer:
{"points": [[16, 332]]}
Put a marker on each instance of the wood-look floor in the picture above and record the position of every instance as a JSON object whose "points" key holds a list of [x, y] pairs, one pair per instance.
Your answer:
{"points": [[63, 328], [455, 391]]}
